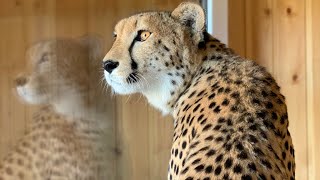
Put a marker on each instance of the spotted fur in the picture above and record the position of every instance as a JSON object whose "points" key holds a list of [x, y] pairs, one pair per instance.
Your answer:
{"points": [[230, 119]]}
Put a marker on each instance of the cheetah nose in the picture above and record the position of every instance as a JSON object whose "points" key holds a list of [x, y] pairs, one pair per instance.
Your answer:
{"points": [[21, 81], [110, 65]]}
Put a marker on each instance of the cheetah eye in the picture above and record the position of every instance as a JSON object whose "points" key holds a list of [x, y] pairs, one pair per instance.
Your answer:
{"points": [[143, 35]]}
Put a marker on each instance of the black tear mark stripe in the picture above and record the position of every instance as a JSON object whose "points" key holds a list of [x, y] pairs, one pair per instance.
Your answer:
{"points": [[134, 65]]}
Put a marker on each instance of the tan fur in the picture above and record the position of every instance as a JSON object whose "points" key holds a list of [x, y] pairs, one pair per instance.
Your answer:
{"points": [[230, 119], [70, 136]]}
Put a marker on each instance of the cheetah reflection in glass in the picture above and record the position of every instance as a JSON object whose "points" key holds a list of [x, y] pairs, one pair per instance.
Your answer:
{"points": [[70, 136]]}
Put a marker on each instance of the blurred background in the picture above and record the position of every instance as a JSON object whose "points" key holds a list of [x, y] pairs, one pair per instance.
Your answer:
{"points": [[282, 35]]}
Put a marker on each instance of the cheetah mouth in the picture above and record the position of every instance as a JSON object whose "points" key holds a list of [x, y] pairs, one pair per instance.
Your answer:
{"points": [[133, 78]]}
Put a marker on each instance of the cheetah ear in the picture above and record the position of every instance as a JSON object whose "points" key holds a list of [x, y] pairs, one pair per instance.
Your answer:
{"points": [[190, 14]]}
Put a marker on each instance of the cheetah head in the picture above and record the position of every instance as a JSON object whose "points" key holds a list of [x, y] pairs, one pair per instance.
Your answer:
{"points": [[155, 53], [58, 73]]}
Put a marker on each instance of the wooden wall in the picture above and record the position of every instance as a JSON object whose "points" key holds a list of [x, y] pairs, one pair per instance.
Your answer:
{"points": [[284, 36]]}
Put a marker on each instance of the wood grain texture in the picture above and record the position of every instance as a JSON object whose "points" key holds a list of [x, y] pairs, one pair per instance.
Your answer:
{"points": [[12, 113], [259, 32], [313, 82]]}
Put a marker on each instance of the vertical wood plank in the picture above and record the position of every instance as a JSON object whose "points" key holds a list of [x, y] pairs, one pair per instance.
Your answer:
{"points": [[313, 82], [289, 70], [71, 18], [12, 113], [160, 142], [38, 21], [11, 20], [132, 138], [259, 32]]}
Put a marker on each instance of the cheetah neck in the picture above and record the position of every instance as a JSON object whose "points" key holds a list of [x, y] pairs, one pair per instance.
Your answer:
{"points": [[162, 97], [169, 86], [207, 49]]}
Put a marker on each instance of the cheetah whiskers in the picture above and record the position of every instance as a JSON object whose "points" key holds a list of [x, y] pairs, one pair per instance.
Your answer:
{"points": [[128, 98], [102, 81], [143, 78]]}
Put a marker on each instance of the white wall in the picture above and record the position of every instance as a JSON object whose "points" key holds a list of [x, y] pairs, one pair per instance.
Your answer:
{"points": [[217, 13]]}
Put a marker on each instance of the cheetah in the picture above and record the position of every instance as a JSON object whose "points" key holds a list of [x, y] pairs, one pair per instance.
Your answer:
{"points": [[69, 136], [230, 119]]}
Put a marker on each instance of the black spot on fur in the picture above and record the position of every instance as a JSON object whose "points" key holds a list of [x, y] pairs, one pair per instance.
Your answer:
{"points": [[221, 120], [207, 127], [185, 170], [208, 169], [219, 158], [289, 166], [228, 163], [262, 177], [217, 109], [252, 167], [202, 45], [199, 168], [184, 144], [209, 138], [213, 104], [196, 108], [227, 90], [246, 177], [211, 152], [243, 155], [237, 169], [217, 127], [266, 163], [196, 161], [212, 96], [201, 93], [235, 95], [258, 152], [217, 171], [239, 147], [286, 145], [166, 48]]}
